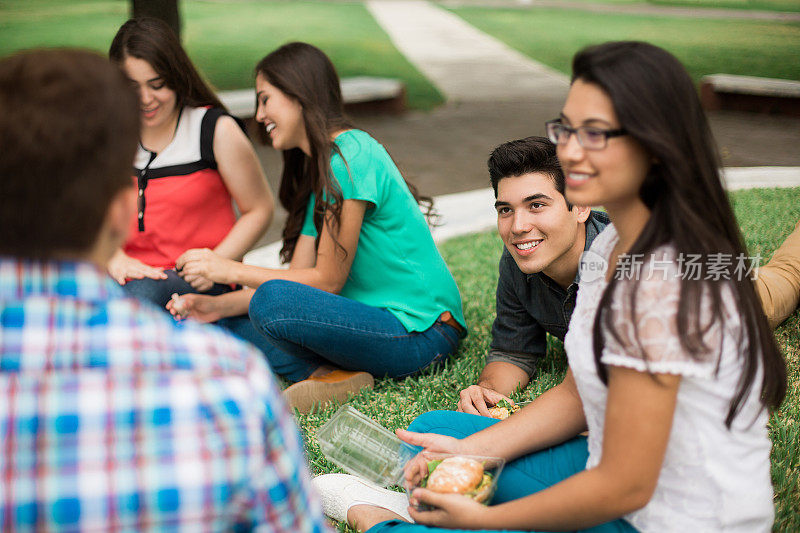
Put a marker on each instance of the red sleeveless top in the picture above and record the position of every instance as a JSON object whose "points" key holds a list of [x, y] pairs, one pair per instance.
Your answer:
{"points": [[183, 202]]}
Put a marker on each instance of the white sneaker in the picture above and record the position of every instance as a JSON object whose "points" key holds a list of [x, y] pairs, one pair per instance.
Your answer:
{"points": [[339, 492]]}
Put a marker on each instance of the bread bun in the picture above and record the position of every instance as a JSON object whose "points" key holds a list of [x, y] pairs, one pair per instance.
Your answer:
{"points": [[456, 475]]}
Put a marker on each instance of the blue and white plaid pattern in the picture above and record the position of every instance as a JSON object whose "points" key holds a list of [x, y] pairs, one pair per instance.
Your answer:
{"points": [[114, 417]]}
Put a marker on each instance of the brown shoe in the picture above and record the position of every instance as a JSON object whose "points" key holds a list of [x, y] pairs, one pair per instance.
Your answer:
{"points": [[335, 385]]}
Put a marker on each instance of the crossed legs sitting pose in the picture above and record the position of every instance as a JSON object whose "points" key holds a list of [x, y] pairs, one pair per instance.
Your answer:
{"points": [[366, 292]]}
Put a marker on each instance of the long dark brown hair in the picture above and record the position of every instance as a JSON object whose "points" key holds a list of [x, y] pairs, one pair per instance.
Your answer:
{"points": [[657, 104], [152, 40], [303, 72]]}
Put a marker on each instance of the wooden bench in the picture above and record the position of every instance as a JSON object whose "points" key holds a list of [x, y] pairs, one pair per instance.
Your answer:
{"points": [[750, 93], [360, 94]]}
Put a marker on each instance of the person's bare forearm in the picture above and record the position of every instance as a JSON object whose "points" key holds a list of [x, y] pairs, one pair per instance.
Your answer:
{"points": [[638, 418], [254, 276], [581, 501], [244, 178], [244, 234], [554, 417], [502, 377], [234, 303]]}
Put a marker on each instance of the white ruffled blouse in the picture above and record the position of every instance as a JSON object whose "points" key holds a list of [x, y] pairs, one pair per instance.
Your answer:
{"points": [[713, 478]]}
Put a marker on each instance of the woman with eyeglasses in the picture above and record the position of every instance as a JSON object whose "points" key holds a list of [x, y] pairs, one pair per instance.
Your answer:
{"points": [[672, 371]]}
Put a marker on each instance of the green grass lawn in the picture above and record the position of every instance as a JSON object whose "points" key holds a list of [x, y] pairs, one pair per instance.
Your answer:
{"points": [[705, 46], [765, 5], [226, 39], [473, 261]]}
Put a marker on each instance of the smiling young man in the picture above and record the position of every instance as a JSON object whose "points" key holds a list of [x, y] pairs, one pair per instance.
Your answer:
{"points": [[544, 239]]}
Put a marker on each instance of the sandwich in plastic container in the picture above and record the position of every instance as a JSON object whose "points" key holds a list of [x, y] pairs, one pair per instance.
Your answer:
{"points": [[364, 448], [473, 476]]}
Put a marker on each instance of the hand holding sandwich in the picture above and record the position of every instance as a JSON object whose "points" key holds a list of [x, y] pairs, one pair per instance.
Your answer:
{"points": [[497, 380], [448, 510], [417, 468], [477, 400], [452, 511]]}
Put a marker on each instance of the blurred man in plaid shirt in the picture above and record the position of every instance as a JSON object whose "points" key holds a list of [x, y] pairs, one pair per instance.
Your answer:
{"points": [[112, 416]]}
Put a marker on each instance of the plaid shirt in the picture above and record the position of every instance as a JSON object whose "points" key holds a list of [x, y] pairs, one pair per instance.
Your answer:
{"points": [[115, 417]]}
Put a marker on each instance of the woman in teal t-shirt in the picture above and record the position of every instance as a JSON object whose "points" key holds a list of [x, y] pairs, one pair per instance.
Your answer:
{"points": [[366, 293]]}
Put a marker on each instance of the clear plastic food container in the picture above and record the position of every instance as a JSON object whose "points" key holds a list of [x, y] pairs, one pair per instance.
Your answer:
{"points": [[364, 448]]}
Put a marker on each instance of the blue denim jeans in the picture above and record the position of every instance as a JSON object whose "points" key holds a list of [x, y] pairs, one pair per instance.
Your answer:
{"points": [[309, 328], [521, 477], [159, 292]]}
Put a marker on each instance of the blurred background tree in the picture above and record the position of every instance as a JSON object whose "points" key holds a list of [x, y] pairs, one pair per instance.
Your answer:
{"points": [[166, 10]]}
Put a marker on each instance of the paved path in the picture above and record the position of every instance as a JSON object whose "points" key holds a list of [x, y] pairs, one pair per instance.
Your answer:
{"points": [[738, 178], [464, 63], [633, 9]]}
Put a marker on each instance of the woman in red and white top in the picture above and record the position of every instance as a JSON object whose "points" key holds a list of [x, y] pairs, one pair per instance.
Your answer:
{"points": [[193, 161]]}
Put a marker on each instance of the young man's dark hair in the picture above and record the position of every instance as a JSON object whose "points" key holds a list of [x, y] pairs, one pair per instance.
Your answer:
{"points": [[56, 185], [526, 156]]}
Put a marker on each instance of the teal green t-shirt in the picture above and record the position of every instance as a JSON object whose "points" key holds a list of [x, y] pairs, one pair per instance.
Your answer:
{"points": [[397, 265]]}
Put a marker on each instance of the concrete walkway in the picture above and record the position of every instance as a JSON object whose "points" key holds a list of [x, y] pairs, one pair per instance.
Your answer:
{"points": [[464, 63], [738, 178], [633, 9]]}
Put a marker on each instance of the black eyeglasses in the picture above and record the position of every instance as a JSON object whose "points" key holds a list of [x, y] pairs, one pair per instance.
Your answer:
{"points": [[588, 137]]}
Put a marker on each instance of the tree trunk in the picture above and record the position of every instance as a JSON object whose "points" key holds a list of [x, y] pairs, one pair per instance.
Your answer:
{"points": [[166, 10]]}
